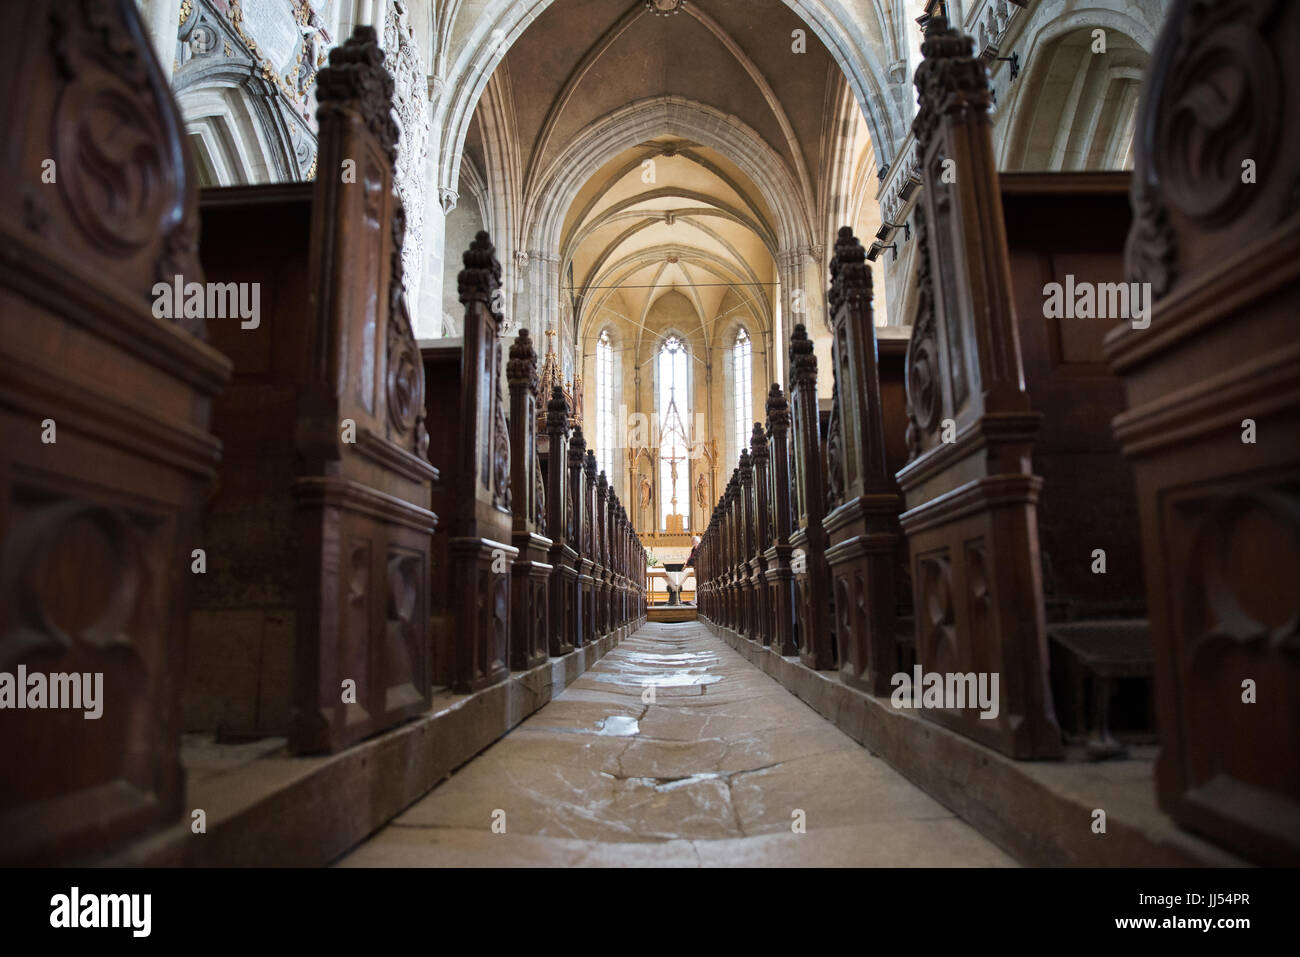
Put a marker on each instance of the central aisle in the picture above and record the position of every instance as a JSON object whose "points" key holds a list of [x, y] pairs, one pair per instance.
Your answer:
{"points": [[718, 770]]}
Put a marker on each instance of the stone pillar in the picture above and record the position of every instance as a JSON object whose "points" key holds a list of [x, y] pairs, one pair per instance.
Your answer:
{"points": [[163, 21]]}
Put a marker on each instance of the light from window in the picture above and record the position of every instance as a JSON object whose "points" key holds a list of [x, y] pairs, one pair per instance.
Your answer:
{"points": [[605, 405], [742, 365], [674, 411]]}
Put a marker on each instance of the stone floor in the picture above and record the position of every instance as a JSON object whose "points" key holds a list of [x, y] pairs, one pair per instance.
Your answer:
{"points": [[675, 750]]}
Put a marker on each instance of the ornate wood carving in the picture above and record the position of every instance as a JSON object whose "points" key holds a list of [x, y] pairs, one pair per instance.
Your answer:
{"points": [[121, 170], [921, 375], [816, 642], [500, 446], [605, 556], [965, 362], [96, 532], [1212, 428], [370, 484], [575, 492], [779, 576], [531, 572], [481, 545], [590, 567], [745, 513], [863, 531], [760, 455], [564, 576]]}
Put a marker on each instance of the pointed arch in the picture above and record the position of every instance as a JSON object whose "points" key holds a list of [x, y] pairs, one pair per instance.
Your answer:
{"points": [[742, 386], [673, 405], [499, 23]]}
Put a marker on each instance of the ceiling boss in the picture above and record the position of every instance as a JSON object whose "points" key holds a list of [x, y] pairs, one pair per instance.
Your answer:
{"points": [[665, 8]]}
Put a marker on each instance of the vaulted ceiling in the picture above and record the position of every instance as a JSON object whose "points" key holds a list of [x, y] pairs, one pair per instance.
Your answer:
{"points": [[683, 148]]}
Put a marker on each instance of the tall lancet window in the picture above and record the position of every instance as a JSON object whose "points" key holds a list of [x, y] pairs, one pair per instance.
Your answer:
{"points": [[605, 404], [674, 443], [743, 399]]}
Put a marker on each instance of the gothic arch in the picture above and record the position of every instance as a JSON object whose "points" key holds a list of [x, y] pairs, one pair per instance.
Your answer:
{"points": [[1058, 24], [501, 22], [618, 271], [546, 207], [243, 132]]}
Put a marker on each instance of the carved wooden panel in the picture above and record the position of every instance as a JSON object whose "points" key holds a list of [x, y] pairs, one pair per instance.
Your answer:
{"points": [[815, 639], [563, 557], [1212, 427], [971, 480], [238, 675], [442, 370], [531, 572], [1088, 499], [104, 409], [363, 491], [778, 575], [862, 530]]}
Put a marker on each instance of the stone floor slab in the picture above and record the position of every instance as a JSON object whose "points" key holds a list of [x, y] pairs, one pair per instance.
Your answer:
{"points": [[718, 766]]}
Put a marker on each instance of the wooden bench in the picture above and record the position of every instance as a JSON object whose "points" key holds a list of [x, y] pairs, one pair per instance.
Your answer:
{"points": [[108, 452], [314, 621]]}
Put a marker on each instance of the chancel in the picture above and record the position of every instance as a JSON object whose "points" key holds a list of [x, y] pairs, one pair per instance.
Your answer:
{"points": [[448, 434]]}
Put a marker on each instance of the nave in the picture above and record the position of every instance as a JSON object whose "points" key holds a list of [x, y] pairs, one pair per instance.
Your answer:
{"points": [[724, 768], [307, 563]]}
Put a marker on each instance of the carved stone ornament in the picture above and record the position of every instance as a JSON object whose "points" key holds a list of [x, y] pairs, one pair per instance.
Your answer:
{"points": [[410, 106]]}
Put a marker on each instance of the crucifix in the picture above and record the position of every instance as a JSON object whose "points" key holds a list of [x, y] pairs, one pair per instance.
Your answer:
{"points": [[672, 461]]}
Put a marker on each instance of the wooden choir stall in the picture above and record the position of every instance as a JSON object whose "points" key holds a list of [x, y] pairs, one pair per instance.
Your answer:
{"points": [[1092, 505], [286, 524]]}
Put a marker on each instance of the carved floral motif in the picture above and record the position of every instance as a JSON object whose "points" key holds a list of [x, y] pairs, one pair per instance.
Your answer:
{"points": [[113, 126], [922, 362], [1215, 98]]}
